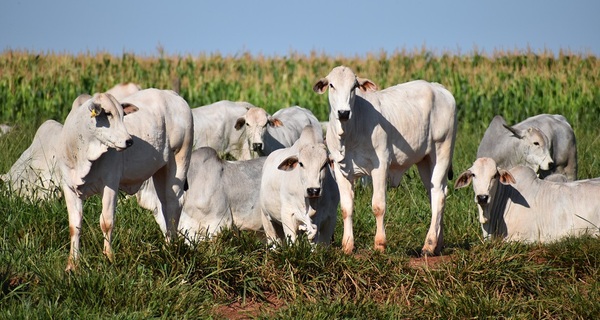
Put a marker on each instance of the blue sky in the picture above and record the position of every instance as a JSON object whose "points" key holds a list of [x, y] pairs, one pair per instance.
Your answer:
{"points": [[272, 27]]}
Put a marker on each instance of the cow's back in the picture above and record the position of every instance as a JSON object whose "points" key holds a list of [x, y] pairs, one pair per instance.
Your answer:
{"points": [[35, 174], [293, 119], [411, 117], [162, 126]]}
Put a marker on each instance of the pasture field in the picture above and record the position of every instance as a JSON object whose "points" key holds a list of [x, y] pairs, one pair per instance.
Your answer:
{"points": [[235, 275]]}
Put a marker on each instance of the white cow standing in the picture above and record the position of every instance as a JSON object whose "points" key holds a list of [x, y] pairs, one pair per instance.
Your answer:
{"points": [[381, 134], [298, 191], [266, 133], [102, 151], [517, 205]]}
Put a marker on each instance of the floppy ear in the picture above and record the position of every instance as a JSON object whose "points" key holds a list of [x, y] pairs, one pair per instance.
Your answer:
{"points": [[274, 122], [129, 108], [288, 164], [365, 85], [95, 108], [506, 177], [80, 100], [240, 123], [463, 180], [321, 86]]}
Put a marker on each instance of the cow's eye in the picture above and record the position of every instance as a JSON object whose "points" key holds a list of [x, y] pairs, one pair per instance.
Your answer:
{"points": [[331, 85], [536, 143], [301, 164], [247, 124], [108, 114]]}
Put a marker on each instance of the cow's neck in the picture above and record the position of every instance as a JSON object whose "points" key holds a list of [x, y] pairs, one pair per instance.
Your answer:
{"points": [[80, 147]]}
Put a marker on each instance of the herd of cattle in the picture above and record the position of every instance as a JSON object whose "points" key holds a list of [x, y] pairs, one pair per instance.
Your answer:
{"points": [[287, 177]]}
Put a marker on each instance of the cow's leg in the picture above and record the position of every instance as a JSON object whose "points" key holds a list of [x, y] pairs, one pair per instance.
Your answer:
{"points": [[109, 204], [75, 210], [169, 189], [434, 177], [290, 224], [269, 228], [378, 204], [346, 188], [147, 198]]}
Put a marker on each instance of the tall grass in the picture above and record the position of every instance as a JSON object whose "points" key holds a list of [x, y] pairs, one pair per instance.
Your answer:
{"points": [[153, 280]]}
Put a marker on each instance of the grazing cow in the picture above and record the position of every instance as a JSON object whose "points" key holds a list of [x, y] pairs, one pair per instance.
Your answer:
{"points": [[215, 124], [35, 175], [562, 143], [521, 144], [298, 191], [221, 194], [123, 90], [383, 133], [266, 133], [101, 151], [517, 205]]}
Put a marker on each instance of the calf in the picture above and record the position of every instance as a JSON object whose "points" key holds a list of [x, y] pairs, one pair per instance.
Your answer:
{"points": [[517, 205], [383, 133], [298, 191], [102, 151], [221, 194]]}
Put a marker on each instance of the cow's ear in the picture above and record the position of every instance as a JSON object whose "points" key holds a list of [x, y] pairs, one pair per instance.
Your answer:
{"points": [[463, 180], [80, 100], [321, 86], [365, 85], [129, 108], [240, 123], [288, 164], [506, 177], [95, 109], [274, 122], [514, 131]]}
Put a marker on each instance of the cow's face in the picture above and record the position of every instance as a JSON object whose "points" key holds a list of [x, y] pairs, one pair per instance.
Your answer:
{"points": [[256, 121], [485, 175], [342, 84], [311, 161], [536, 148], [106, 121]]}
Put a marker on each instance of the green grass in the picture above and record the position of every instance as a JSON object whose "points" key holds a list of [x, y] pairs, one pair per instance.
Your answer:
{"points": [[151, 279]]}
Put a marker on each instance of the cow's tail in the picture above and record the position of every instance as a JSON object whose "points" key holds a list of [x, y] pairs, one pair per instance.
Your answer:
{"points": [[450, 172]]}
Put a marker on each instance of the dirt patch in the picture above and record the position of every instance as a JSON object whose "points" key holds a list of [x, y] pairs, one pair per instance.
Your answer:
{"points": [[428, 262], [250, 309]]}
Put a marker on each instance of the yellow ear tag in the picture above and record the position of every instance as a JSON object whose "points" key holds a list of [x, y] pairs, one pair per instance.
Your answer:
{"points": [[94, 114]]}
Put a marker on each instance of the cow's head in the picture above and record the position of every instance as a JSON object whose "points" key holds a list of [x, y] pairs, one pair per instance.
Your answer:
{"points": [[535, 146], [485, 176], [106, 120], [256, 121], [342, 84], [310, 161]]}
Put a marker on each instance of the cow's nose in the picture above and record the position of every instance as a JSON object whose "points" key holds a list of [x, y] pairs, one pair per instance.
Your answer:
{"points": [[128, 143], [482, 198], [257, 146], [344, 114], [313, 192]]}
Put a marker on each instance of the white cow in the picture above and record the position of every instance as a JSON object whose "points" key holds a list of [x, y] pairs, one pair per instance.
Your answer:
{"points": [[266, 133], [221, 194], [561, 140], [101, 151], [381, 134], [298, 191], [35, 175], [521, 144], [215, 127], [123, 90], [517, 205]]}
